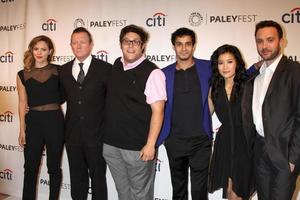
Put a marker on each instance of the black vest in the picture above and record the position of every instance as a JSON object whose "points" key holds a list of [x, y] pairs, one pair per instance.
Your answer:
{"points": [[127, 116], [85, 102]]}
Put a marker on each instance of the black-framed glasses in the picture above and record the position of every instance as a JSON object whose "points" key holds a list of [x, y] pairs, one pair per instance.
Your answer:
{"points": [[135, 43]]}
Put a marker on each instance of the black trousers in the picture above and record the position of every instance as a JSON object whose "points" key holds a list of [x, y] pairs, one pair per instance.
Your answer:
{"points": [[43, 128], [189, 153], [274, 182], [87, 162]]}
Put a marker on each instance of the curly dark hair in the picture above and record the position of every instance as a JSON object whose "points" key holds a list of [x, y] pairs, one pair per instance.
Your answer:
{"points": [[183, 32], [135, 29], [217, 80], [144, 35]]}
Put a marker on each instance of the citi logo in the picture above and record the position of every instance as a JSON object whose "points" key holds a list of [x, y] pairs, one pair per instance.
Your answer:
{"points": [[292, 17], [50, 25], [157, 165], [158, 19], [102, 55], [8, 57], [6, 174], [6, 117]]}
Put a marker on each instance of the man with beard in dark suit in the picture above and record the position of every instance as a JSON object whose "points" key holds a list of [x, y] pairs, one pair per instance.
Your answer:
{"points": [[271, 116], [83, 83]]}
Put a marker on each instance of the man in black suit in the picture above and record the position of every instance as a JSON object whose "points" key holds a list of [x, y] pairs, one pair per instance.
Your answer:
{"points": [[271, 116], [83, 83]]}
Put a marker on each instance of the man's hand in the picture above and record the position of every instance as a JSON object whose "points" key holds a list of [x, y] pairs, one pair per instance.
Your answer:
{"points": [[147, 153], [258, 64], [27, 109]]}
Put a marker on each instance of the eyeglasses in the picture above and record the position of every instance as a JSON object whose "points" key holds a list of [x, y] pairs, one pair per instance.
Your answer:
{"points": [[135, 43]]}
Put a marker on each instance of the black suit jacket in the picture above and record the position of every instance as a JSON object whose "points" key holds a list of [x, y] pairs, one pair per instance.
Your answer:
{"points": [[280, 114], [85, 103]]}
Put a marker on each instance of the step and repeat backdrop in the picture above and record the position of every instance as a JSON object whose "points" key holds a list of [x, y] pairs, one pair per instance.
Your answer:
{"points": [[216, 22]]}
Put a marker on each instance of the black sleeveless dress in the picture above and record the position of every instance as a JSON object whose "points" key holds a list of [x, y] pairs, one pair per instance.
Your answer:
{"points": [[230, 157]]}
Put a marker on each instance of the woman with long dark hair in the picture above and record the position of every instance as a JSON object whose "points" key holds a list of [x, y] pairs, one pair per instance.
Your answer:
{"points": [[38, 88], [231, 165]]}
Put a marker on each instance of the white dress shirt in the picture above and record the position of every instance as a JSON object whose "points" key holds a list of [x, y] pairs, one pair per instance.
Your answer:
{"points": [[261, 85], [86, 66]]}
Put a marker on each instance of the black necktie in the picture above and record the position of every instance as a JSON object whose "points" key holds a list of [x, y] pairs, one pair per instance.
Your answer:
{"points": [[80, 77]]}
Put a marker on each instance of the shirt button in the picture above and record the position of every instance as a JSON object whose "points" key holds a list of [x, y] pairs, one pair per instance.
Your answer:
{"points": [[79, 102], [80, 87], [81, 117]]}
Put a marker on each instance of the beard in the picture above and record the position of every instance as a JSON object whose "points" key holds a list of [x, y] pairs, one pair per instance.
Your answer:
{"points": [[271, 56], [184, 57]]}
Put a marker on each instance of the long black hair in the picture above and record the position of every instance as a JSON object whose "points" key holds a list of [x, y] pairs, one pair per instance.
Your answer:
{"points": [[217, 80]]}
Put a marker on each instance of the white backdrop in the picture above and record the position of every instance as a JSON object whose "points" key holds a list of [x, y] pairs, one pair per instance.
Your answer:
{"points": [[216, 22]]}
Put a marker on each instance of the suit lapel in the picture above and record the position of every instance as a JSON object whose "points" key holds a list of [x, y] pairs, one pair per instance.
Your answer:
{"points": [[170, 84], [247, 99], [276, 76], [90, 72], [69, 73], [203, 82]]}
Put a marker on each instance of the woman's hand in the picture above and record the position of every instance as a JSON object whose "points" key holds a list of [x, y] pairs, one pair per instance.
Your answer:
{"points": [[21, 139]]}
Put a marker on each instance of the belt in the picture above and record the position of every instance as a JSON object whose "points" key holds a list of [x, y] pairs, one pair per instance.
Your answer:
{"points": [[46, 107]]}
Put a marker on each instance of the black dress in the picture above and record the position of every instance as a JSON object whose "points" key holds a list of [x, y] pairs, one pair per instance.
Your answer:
{"points": [[230, 157]]}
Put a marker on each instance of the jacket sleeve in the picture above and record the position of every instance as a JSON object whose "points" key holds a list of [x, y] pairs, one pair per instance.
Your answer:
{"points": [[251, 70], [294, 150]]}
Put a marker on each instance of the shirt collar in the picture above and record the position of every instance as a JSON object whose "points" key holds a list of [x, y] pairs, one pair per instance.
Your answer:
{"points": [[134, 64], [86, 61], [271, 67]]}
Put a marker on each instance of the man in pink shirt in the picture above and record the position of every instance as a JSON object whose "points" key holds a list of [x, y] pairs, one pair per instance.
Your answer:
{"points": [[135, 102]]}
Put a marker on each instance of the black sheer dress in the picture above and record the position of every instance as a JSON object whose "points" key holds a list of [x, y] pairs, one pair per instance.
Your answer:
{"points": [[230, 157]]}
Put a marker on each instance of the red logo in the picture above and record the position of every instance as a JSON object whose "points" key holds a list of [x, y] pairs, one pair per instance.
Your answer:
{"points": [[292, 17], [8, 57], [102, 55], [158, 19], [6, 174], [6, 117], [49, 25]]}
